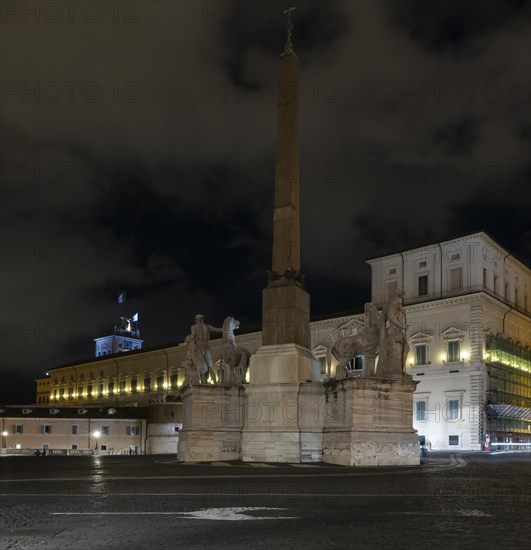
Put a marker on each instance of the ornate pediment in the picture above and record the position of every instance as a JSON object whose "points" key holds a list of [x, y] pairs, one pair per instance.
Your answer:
{"points": [[421, 337], [319, 350], [453, 333], [350, 328]]}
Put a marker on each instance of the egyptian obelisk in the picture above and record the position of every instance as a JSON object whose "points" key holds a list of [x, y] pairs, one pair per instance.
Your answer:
{"points": [[285, 303], [284, 374]]}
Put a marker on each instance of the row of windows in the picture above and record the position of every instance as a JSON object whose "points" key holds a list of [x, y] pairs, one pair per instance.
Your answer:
{"points": [[505, 378], [62, 380], [134, 380], [421, 264], [498, 396], [452, 440], [516, 388], [506, 289], [111, 389], [451, 412], [508, 385], [127, 346], [420, 357], [103, 430], [421, 353], [455, 283], [502, 424]]}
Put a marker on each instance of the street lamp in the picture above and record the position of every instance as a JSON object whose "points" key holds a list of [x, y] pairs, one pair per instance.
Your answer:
{"points": [[97, 435]]}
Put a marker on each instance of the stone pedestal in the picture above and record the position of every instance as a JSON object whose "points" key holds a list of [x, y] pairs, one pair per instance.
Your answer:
{"points": [[162, 439], [283, 422], [212, 423], [283, 363], [164, 424], [368, 422], [285, 314]]}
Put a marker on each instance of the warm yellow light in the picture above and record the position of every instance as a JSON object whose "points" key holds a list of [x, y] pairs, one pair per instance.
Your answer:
{"points": [[465, 355], [4, 434], [443, 357], [96, 434]]}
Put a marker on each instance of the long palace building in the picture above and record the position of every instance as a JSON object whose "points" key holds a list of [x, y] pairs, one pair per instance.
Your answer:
{"points": [[467, 306]]}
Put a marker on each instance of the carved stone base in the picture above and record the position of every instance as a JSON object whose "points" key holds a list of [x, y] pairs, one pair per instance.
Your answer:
{"points": [[286, 315], [212, 423], [161, 439], [282, 364], [283, 423], [368, 422]]}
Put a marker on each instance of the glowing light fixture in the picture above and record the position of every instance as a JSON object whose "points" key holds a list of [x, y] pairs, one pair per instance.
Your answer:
{"points": [[96, 434]]}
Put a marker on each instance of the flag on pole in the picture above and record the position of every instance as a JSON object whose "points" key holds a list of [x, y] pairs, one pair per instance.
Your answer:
{"points": [[121, 298], [134, 319]]}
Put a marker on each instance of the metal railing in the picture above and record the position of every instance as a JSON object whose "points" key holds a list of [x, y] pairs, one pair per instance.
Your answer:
{"points": [[65, 452]]}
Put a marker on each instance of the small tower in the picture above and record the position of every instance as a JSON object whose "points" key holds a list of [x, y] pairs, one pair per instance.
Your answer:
{"points": [[125, 337]]}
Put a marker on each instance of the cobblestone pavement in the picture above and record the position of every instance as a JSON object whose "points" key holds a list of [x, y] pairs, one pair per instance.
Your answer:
{"points": [[83, 503]]}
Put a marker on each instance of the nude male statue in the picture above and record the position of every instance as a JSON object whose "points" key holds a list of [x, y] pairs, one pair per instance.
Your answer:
{"points": [[200, 336]]}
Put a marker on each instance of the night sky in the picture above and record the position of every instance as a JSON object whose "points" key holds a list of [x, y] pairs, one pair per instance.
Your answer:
{"points": [[138, 144]]}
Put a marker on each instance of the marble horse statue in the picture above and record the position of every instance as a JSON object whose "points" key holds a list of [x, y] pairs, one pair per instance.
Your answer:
{"points": [[365, 343], [234, 359]]}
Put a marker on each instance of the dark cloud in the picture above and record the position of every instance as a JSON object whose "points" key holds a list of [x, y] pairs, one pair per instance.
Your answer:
{"points": [[499, 215], [458, 139], [451, 25], [414, 128]]}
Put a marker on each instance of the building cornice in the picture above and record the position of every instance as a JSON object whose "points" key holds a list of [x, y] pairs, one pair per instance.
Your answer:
{"points": [[436, 304], [460, 239]]}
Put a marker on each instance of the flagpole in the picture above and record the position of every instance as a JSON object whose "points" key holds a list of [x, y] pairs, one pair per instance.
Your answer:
{"points": [[121, 300]]}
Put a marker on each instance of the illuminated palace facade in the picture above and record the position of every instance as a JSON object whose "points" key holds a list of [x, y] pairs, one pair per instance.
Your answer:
{"points": [[467, 306]]}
